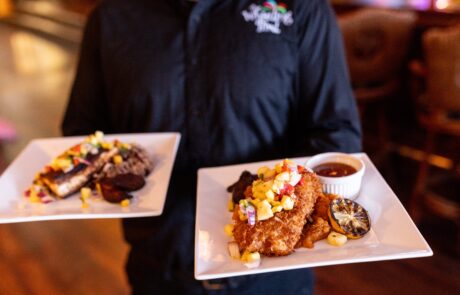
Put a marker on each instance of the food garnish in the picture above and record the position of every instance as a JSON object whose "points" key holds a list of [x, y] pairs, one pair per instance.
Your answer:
{"points": [[125, 203], [271, 192], [336, 239], [229, 230], [250, 259], [111, 168], [349, 218]]}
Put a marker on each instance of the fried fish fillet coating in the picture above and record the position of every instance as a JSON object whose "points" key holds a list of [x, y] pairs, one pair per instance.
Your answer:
{"points": [[278, 235], [319, 226], [315, 231]]}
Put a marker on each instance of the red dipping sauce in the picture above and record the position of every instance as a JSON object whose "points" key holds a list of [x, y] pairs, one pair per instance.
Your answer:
{"points": [[334, 169]]}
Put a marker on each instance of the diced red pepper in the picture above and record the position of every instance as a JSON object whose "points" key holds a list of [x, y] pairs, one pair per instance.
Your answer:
{"points": [[300, 169], [84, 161], [287, 190], [47, 199], [27, 193], [285, 166], [301, 181]]}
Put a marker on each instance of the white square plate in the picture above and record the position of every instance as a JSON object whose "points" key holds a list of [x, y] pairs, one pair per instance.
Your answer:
{"points": [[148, 201], [393, 234]]}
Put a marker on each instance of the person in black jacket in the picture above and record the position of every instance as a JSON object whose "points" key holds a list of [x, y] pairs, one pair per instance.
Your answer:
{"points": [[241, 80]]}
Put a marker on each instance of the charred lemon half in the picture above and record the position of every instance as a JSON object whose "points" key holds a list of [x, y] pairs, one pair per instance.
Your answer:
{"points": [[349, 218]]}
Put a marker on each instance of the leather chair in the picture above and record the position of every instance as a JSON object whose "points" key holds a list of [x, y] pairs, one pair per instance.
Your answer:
{"points": [[438, 109], [377, 42]]}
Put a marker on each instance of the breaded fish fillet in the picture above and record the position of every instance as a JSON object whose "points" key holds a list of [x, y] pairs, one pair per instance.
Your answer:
{"points": [[317, 230], [278, 235], [319, 227]]}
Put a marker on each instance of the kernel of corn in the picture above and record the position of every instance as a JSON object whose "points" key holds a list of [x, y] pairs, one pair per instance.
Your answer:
{"points": [[250, 256], [229, 230], [98, 189], [117, 159], [231, 205], [85, 193], [125, 203], [106, 145], [84, 205], [276, 209], [34, 199]]}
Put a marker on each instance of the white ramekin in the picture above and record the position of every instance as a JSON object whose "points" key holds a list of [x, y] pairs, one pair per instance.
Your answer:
{"points": [[345, 186]]}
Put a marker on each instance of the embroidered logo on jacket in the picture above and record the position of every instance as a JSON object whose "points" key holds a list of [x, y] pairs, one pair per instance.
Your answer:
{"points": [[269, 16]]}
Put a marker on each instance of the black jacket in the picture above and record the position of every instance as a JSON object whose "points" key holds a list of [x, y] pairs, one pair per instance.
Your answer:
{"points": [[238, 83]]}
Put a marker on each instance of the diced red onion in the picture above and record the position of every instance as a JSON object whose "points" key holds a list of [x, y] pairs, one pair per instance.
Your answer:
{"points": [[47, 199], [251, 213]]}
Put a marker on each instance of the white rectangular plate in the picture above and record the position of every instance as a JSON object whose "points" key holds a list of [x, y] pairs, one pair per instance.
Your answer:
{"points": [[393, 234], [148, 201]]}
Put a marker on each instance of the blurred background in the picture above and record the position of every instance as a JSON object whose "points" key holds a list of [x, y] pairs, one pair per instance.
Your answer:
{"points": [[404, 64]]}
